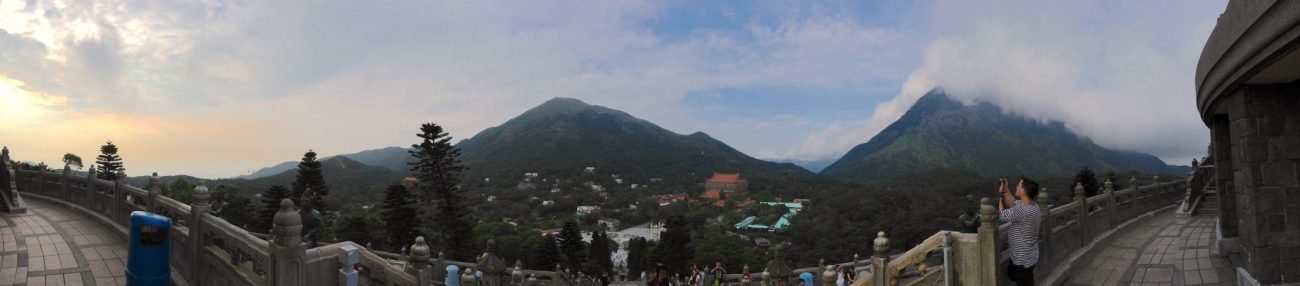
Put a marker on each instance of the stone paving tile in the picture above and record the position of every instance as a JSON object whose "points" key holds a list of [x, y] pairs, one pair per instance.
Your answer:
{"points": [[1164, 250], [51, 245]]}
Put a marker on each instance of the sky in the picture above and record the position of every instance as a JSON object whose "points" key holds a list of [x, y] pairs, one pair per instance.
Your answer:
{"points": [[221, 88]]}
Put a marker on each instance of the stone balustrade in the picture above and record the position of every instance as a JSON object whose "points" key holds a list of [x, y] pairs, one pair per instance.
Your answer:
{"points": [[207, 250]]}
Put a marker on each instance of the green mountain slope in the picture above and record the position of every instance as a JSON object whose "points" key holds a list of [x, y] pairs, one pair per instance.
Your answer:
{"points": [[348, 180], [940, 132], [563, 136]]}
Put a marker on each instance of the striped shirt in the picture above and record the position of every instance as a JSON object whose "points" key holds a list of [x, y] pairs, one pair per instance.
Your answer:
{"points": [[1023, 234]]}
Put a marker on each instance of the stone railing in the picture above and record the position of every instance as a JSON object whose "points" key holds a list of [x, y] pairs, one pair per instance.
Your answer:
{"points": [[207, 250], [10, 200], [1201, 175]]}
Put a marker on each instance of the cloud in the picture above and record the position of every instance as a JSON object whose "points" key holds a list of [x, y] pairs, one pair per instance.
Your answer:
{"points": [[1117, 72]]}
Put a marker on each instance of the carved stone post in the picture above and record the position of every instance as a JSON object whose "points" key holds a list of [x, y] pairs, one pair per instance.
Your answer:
{"points": [[516, 275], [1111, 212], [467, 277], [1045, 224], [197, 210], [880, 260], [155, 188], [828, 276], [63, 188], [1082, 201], [493, 268], [767, 278], [420, 262], [744, 276], [441, 263], [90, 183], [119, 185], [532, 280], [288, 253], [987, 239]]}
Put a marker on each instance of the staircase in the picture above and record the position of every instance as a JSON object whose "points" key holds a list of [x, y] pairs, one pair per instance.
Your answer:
{"points": [[1209, 200]]}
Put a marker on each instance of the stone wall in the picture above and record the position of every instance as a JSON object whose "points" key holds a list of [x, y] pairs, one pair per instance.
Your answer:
{"points": [[1263, 198]]}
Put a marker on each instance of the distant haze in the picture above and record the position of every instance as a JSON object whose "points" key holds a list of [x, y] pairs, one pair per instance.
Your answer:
{"points": [[221, 89]]}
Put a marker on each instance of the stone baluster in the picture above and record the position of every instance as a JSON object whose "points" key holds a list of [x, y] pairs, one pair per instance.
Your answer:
{"points": [[1081, 200], [467, 277], [197, 210], [532, 280], [155, 188], [766, 279], [1112, 213], [987, 239], [288, 252], [119, 194], [63, 188], [1045, 223], [880, 260], [517, 274], [419, 262], [828, 275], [1133, 181], [855, 263], [86, 197]]}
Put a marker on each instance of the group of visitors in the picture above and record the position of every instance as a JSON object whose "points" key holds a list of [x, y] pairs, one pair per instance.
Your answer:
{"points": [[660, 276]]}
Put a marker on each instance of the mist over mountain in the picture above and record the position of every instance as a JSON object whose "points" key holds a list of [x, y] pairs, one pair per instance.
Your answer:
{"points": [[941, 132]]}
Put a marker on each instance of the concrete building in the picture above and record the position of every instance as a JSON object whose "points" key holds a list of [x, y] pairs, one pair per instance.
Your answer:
{"points": [[1248, 94]]}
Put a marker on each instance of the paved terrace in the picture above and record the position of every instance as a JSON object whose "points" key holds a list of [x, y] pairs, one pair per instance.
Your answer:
{"points": [[51, 245], [1163, 250]]}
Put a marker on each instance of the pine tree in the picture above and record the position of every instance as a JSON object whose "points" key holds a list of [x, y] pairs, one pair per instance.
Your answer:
{"points": [[1089, 181], [109, 162], [309, 178], [438, 168], [270, 205], [635, 254], [181, 190], [674, 248], [572, 246], [599, 254], [356, 226], [399, 216], [549, 254], [238, 207]]}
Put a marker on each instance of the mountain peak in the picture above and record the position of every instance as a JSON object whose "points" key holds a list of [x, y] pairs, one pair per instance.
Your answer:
{"points": [[558, 105]]}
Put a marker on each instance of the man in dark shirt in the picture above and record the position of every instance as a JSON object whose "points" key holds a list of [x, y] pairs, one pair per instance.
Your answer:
{"points": [[717, 272]]}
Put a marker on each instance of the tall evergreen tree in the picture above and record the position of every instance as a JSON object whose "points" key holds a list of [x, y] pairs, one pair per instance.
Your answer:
{"points": [[238, 207], [109, 162], [356, 226], [1089, 181], [549, 255], [400, 216], [438, 168], [572, 246], [270, 205], [636, 253], [180, 190], [309, 189], [599, 260], [674, 245]]}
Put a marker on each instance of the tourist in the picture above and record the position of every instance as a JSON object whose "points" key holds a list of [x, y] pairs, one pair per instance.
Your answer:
{"points": [[847, 275], [1023, 234], [718, 272], [660, 275], [697, 276]]}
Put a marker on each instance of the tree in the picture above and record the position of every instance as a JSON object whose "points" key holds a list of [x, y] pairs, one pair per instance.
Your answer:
{"points": [[636, 255], [549, 255], [400, 216], [572, 246], [72, 160], [599, 254], [357, 226], [1089, 181], [237, 207], [109, 162], [309, 189], [513, 243], [437, 169], [674, 248], [180, 190], [270, 205]]}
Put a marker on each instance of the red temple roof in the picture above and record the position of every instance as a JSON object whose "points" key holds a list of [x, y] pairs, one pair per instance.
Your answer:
{"points": [[725, 177]]}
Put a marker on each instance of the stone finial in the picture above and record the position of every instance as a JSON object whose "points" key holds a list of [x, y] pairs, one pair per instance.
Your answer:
{"points": [[419, 253], [517, 274], [154, 181], [1078, 191], [828, 276], [201, 194], [1155, 179], [986, 211], [5, 152], [821, 262], [121, 175], [286, 229], [1133, 181], [881, 244], [67, 168], [1042, 195], [1108, 186]]}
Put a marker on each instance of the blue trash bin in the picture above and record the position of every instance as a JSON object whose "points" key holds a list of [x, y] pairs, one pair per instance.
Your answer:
{"points": [[147, 262]]}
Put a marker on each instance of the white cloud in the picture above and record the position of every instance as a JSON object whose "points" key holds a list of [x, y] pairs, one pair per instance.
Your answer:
{"points": [[1118, 72]]}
